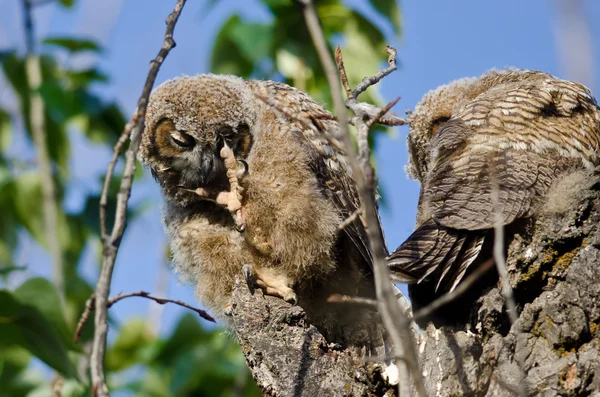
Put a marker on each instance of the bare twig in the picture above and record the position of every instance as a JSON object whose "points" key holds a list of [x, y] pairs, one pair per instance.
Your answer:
{"points": [[462, 287], [372, 80], [111, 243], [382, 113], [89, 307], [338, 298], [349, 220], [110, 171], [394, 318], [37, 114], [160, 301], [342, 71], [57, 386]]}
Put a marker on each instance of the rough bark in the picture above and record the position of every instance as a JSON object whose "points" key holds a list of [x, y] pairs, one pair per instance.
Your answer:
{"points": [[289, 357], [554, 270]]}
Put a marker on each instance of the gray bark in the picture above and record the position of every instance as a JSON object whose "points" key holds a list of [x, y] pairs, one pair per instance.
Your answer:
{"points": [[554, 271]]}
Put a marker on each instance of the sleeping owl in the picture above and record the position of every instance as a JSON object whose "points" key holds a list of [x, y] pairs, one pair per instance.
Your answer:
{"points": [[295, 191], [501, 145]]}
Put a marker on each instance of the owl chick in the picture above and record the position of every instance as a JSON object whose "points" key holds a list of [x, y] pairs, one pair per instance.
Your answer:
{"points": [[486, 147], [296, 192]]}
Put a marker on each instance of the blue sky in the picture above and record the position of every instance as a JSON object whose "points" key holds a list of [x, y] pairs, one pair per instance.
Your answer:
{"points": [[441, 41]]}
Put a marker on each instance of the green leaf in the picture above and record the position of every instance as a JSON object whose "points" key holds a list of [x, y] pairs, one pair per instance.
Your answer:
{"points": [[390, 10], [227, 58], [42, 294], [67, 3], [83, 78], [253, 40], [6, 270], [61, 104], [27, 196], [24, 325], [9, 224], [74, 45], [133, 338], [187, 333], [5, 131], [106, 125]]}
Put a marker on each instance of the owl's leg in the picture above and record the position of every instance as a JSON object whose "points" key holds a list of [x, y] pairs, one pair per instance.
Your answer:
{"points": [[270, 282]]}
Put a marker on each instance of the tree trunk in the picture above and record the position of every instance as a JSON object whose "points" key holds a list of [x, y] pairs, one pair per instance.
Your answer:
{"points": [[555, 273]]}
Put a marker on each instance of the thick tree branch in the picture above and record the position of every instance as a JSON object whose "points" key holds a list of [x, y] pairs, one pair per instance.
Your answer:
{"points": [[289, 357], [552, 266], [111, 243]]}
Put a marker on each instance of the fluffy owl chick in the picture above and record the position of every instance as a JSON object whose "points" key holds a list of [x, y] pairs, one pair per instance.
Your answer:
{"points": [[514, 133], [296, 193]]}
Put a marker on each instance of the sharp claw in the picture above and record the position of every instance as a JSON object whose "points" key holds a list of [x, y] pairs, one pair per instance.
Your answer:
{"points": [[292, 298], [241, 228], [249, 276], [242, 170]]}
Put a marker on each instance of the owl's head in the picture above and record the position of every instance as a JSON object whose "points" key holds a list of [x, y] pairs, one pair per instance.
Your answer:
{"points": [[188, 121], [439, 105]]}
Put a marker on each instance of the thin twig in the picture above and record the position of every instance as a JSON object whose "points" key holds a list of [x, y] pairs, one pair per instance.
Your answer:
{"points": [[372, 80], [349, 220], [37, 114], [339, 298], [110, 171], [89, 307], [382, 112], [111, 243], [456, 293], [160, 301], [394, 318], [342, 71], [57, 386]]}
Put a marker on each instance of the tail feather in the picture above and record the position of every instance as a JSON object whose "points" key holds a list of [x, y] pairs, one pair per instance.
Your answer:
{"points": [[434, 252]]}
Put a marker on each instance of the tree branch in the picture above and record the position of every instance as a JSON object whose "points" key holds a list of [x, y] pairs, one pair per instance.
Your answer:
{"points": [[289, 357], [553, 273], [394, 318], [111, 243], [89, 307], [37, 114]]}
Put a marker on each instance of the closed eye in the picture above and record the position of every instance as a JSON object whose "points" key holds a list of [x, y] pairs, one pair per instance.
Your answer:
{"points": [[182, 139], [437, 123]]}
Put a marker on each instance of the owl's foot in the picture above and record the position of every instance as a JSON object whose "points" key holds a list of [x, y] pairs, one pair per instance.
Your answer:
{"points": [[270, 283], [232, 200]]}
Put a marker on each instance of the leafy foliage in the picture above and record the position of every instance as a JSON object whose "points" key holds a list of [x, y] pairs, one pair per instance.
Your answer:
{"points": [[282, 49], [37, 322]]}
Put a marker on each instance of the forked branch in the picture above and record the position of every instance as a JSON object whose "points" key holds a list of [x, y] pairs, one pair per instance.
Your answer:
{"points": [[394, 317], [112, 241]]}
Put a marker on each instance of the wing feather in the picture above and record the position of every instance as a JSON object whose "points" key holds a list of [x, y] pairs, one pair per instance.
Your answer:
{"points": [[315, 128]]}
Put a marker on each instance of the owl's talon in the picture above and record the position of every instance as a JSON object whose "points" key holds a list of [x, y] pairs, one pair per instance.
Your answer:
{"points": [[270, 283], [242, 169], [249, 277]]}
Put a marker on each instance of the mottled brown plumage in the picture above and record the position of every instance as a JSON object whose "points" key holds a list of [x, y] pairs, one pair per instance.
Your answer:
{"points": [[296, 192], [513, 132]]}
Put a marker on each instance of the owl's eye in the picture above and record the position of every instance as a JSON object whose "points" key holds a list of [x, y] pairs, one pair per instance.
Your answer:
{"points": [[437, 123], [182, 139]]}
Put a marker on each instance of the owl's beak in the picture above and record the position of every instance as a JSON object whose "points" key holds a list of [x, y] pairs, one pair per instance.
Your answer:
{"points": [[205, 165]]}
